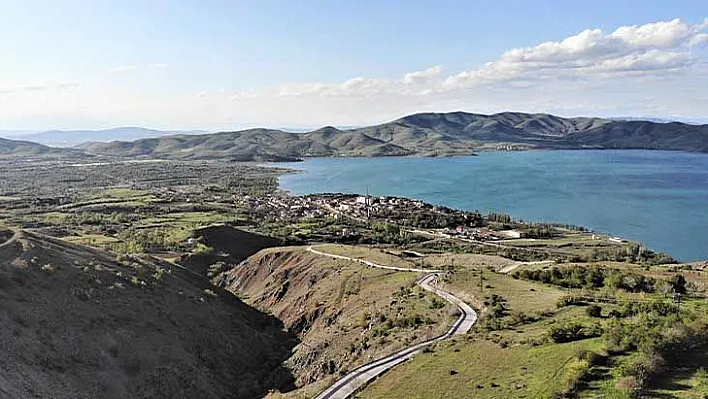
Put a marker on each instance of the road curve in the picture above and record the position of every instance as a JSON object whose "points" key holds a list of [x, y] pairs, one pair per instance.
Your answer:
{"points": [[359, 377]]}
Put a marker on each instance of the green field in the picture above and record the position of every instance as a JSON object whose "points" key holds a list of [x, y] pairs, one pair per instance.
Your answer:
{"points": [[480, 369]]}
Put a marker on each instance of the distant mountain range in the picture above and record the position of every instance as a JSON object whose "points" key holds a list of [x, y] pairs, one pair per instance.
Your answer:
{"points": [[424, 134], [71, 138]]}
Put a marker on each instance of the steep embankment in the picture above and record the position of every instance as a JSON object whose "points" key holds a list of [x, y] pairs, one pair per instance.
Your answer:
{"points": [[79, 322], [225, 245], [344, 313]]}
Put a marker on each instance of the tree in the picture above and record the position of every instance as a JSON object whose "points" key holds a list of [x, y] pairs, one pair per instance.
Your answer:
{"points": [[594, 311], [678, 284]]}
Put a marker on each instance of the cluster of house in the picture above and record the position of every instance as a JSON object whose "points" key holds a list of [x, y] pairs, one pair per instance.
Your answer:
{"points": [[326, 205], [363, 207], [282, 207]]}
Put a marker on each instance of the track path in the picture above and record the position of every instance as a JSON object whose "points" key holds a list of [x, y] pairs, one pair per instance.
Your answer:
{"points": [[358, 378]]}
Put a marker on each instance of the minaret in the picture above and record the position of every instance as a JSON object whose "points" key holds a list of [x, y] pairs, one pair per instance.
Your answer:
{"points": [[368, 203]]}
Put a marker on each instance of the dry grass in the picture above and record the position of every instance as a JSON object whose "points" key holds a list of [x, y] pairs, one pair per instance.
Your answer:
{"points": [[346, 314]]}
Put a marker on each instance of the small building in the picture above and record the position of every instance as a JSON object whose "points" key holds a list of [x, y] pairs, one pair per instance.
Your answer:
{"points": [[366, 200], [512, 234]]}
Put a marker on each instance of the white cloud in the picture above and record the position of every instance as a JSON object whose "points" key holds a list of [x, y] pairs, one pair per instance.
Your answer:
{"points": [[654, 69], [158, 65], [40, 85], [411, 83], [593, 72], [67, 85], [653, 48], [132, 68], [700, 39], [124, 68], [652, 60], [422, 76]]}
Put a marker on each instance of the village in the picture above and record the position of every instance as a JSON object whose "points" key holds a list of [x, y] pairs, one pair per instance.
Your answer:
{"points": [[415, 214], [412, 215]]}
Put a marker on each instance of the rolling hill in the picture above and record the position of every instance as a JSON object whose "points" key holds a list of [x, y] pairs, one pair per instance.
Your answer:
{"points": [[13, 149], [70, 138], [424, 134]]}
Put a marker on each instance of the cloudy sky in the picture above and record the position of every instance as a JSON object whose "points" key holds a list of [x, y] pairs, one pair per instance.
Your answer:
{"points": [[227, 64]]}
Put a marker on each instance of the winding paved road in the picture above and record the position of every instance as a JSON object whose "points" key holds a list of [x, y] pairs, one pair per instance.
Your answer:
{"points": [[358, 378]]}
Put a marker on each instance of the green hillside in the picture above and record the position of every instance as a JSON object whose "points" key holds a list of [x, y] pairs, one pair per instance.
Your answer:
{"points": [[12, 149], [425, 134]]}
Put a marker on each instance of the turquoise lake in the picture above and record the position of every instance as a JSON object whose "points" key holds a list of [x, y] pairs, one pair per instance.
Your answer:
{"points": [[658, 198]]}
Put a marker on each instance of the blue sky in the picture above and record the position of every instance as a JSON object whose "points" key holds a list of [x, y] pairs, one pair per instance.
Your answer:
{"points": [[231, 64]]}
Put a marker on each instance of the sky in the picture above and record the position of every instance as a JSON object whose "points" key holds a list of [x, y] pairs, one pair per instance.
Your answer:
{"points": [[229, 64]]}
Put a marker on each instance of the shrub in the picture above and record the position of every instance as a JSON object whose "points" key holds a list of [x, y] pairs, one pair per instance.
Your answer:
{"points": [[574, 374], [590, 277], [628, 386], [519, 317], [569, 300], [701, 385], [436, 303], [202, 249], [573, 331], [644, 366], [594, 311]]}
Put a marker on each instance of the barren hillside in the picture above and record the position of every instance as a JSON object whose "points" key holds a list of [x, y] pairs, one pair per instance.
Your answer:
{"points": [[82, 323], [344, 314]]}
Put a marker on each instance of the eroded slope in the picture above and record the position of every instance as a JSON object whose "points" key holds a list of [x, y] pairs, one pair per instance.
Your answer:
{"points": [[82, 323], [344, 314]]}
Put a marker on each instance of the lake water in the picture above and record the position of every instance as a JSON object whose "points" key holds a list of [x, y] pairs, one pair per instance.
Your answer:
{"points": [[658, 198]]}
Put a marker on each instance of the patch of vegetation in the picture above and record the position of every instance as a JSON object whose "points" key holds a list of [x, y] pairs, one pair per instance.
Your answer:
{"points": [[599, 277], [573, 331]]}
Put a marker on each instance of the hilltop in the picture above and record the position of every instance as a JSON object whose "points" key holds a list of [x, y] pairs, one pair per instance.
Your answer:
{"points": [[424, 134], [17, 149], [70, 138], [82, 322]]}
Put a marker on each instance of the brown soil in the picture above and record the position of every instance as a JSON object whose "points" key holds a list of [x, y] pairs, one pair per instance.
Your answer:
{"points": [[77, 322], [231, 245], [344, 314]]}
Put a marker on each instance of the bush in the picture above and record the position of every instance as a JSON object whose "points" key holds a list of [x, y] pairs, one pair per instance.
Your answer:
{"points": [[591, 277], [519, 317], [594, 311], [701, 385], [436, 303], [574, 373], [569, 300], [573, 331], [628, 386], [644, 366]]}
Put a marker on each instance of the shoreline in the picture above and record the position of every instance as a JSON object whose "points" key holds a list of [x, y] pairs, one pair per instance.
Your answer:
{"points": [[288, 190]]}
